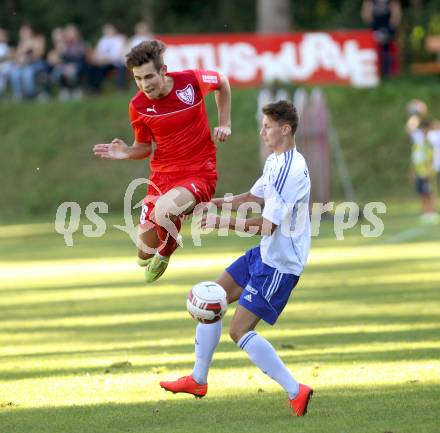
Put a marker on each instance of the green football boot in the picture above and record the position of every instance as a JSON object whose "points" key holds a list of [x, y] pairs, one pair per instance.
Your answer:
{"points": [[155, 268]]}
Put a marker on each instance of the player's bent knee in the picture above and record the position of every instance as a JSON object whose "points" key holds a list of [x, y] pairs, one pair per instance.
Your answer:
{"points": [[236, 332]]}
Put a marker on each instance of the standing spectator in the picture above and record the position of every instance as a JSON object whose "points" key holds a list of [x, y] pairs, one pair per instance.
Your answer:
{"points": [[422, 162], [28, 63], [142, 33], [5, 59], [383, 17], [417, 111], [107, 56]]}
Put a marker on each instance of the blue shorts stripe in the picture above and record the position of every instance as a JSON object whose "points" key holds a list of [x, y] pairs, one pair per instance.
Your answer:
{"points": [[274, 287], [274, 277], [246, 340]]}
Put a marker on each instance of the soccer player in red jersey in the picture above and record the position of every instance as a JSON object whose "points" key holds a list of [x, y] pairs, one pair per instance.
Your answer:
{"points": [[169, 110]]}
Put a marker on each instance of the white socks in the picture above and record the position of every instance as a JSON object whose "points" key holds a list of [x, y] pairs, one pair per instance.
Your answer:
{"points": [[260, 351], [264, 356], [207, 338]]}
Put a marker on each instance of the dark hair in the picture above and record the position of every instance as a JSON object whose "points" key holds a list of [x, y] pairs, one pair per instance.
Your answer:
{"points": [[282, 112], [145, 52]]}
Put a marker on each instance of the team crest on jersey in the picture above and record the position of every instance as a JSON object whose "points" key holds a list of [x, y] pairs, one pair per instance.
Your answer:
{"points": [[186, 95]]}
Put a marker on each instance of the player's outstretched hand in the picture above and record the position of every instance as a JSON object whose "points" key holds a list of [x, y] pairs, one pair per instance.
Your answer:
{"points": [[222, 133], [209, 221], [117, 149]]}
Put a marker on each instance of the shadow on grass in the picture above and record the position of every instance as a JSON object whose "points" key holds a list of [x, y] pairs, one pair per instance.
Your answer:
{"points": [[294, 351], [335, 410], [145, 302]]}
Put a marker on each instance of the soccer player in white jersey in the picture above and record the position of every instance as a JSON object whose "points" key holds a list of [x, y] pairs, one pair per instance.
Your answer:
{"points": [[263, 279]]}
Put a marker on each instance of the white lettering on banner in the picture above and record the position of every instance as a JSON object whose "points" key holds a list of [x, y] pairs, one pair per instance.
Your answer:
{"points": [[316, 52], [362, 65], [238, 61]]}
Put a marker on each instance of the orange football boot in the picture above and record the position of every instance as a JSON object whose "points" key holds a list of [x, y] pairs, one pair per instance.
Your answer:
{"points": [[300, 402], [186, 384]]}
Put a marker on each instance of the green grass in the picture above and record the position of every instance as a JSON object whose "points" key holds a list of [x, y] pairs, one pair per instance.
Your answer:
{"points": [[85, 342]]}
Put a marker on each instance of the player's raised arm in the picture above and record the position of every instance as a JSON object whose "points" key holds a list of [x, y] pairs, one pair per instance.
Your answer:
{"points": [[118, 150], [223, 100]]}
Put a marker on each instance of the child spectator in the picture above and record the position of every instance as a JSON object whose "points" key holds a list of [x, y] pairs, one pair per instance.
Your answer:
{"points": [[422, 163], [417, 111]]}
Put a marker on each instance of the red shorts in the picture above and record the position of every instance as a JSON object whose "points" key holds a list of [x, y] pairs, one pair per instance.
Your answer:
{"points": [[201, 185]]}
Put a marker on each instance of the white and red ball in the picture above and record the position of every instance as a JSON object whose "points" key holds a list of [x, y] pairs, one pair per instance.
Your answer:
{"points": [[207, 302]]}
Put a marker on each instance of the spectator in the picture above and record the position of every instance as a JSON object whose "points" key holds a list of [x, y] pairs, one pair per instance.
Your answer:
{"points": [[5, 59], [107, 56], [142, 33], [383, 17], [417, 111], [28, 63], [54, 55], [69, 63], [422, 162]]}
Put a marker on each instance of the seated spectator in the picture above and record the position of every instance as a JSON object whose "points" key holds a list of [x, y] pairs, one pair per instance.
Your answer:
{"points": [[141, 33], [28, 63], [5, 60], [68, 62], [107, 56], [54, 55]]}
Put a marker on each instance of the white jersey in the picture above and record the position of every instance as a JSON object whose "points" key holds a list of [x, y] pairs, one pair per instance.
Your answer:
{"points": [[285, 188]]}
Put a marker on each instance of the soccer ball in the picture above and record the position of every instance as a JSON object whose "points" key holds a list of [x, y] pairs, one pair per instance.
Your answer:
{"points": [[207, 302]]}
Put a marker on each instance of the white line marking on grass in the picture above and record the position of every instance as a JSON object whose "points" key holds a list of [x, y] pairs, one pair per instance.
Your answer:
{"points": [[406, 235]]}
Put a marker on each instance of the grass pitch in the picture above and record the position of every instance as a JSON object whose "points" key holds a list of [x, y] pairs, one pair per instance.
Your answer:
{"points": [[84, 342]]}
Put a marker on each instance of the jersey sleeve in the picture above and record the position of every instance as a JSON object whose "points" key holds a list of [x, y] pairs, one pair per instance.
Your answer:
{"points": [[275, 209], [142, 133], [208, 80], [258, 188]]}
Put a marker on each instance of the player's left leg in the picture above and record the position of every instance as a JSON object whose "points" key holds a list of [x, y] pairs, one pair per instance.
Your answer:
{"points": [[260, 351], [167, 213], [264, 297]]}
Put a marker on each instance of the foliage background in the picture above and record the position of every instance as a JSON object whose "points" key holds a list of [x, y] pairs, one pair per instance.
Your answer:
{"points": [[421, 17]]}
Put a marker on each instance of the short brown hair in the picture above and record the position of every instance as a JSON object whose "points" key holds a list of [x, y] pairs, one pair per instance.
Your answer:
{"points": [[282, 112], [145, 52]]}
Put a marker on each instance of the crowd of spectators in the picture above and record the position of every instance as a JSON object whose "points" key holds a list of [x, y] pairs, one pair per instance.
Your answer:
{"points": [[68, 66]]}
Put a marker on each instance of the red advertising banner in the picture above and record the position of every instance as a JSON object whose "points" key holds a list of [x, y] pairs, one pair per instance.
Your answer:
{"points": [[249, 59]]}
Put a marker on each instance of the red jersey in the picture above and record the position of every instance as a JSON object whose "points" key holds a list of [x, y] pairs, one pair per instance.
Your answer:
{"points": [[178, 123]]}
